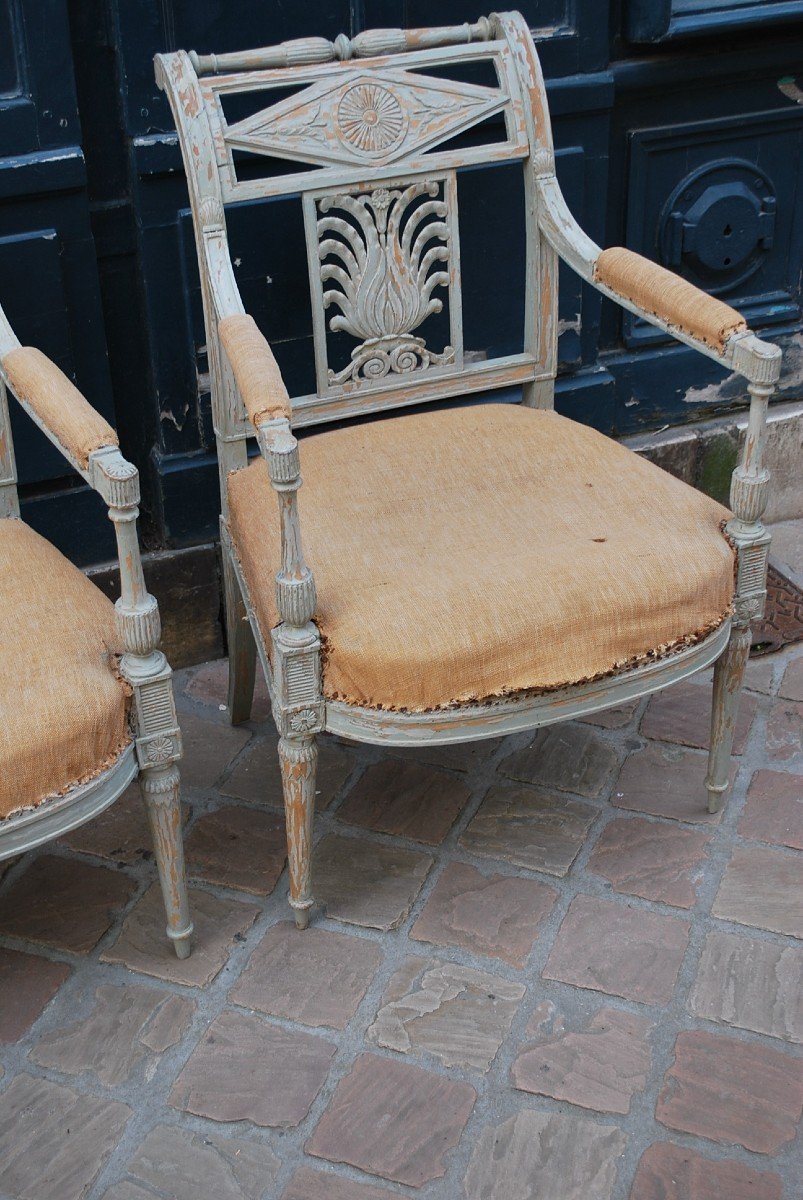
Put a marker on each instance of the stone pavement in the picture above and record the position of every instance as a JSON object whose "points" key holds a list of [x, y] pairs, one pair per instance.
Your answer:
{"points": [[542, 972]]}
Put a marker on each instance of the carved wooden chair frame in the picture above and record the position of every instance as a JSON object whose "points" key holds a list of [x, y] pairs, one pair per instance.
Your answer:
{"points": [[155, 749], [367, 119]]}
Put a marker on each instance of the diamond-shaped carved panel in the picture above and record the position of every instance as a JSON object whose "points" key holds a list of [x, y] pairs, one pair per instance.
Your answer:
{"points": [[370, 117]]}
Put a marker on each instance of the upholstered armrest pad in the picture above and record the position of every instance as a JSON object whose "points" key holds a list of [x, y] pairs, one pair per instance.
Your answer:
{"points": [[255, 369], [58, 404], [666, 295]]}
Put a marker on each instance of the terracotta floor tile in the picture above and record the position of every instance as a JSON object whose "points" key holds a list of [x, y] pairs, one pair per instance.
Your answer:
{"points": [[530, 827], [457, 756], [773, 811], [312, 976], [407, 799], [244, 1069], [666, 781], [394, 1120], [763, 888], [791, 687], [257, 777], [613, 718], [750, 984], [623, 951], [682, 714], [570, 757], [315, 1185], [496, 915], [238, 847], [209, 685], [364, 883], [209, 747], [670, 1172], [730, 1090], [121, 833], [658, 862], [182, 1164], [64, 903], [27, 985], [785, 731]]}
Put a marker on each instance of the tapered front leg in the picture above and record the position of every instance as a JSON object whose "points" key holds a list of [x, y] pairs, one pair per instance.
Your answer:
{"points": [[299, 760], [161, 792], [241, 646], [728, 678]]}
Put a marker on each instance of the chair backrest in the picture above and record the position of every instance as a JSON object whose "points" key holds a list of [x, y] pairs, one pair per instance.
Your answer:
{"points": [[372, 123]]}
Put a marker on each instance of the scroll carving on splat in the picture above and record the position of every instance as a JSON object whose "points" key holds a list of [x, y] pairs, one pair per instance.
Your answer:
{"points": [[387, 260]]}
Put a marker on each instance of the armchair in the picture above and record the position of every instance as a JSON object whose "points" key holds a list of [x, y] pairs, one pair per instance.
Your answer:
{"points": [[88, 697], [470, 571]]}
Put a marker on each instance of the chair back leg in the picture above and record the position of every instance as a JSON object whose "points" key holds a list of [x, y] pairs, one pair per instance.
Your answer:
{"points": [[728, 678], [241, 647], [299, 760], [161, 792]]}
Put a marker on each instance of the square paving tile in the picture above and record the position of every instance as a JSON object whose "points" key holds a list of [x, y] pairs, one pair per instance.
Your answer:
{"points": [[313, 976], [394, 1120], [569, 756], [610, 947], [143, 944], [128, 1029], [773, 811], [27, 985], [244, 1069], [670, 1172], [315, 1185], [601, 1067], [791, 687], [406, 798], [750, 984], [209, 685], [209, 746], [496, 915], [730, 1090], [547, 1156], [121, 833], [613, 718], [666, 781], [657, 862], [457, 1014], [237, 847], [785, 731], [763, 888], [364, 883], [257, 777], [37, 1160], [530, 827], [682, 714], [64, 903], [182, 1164], [457, 756]]}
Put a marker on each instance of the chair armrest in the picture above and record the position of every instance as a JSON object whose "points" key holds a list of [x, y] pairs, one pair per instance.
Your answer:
{"points": [[56, 405], [255, 369]]}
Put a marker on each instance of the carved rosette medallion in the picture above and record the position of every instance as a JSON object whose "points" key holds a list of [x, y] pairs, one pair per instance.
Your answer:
{"points": [[371, 119]]}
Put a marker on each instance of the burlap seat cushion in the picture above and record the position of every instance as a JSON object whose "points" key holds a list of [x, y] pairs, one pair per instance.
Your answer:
{"points": [[475, 552], [63, 712]]}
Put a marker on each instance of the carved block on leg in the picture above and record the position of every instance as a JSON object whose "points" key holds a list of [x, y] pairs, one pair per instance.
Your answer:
{"points": [[299, 759], [241, 646], [728, 678], [161, 793]]}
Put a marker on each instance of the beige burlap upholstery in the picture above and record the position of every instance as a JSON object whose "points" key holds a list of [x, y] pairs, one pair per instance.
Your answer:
{"points": [[58, 404], [475, 552], [63, 711], [665, 294], [255, 369]]}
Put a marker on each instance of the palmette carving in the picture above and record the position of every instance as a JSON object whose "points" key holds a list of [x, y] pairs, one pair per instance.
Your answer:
{"points": [[385, 262]]}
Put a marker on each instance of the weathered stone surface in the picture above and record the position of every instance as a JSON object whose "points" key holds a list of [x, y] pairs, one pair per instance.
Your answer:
{"points": [[128, 1028], [570, 757], [658, 862], [759, 674], [244, 1069], [791, 687], [238, 847], [27, 985], [457, 756], [773, 811], [407, 799], [666, 781], [173, 1163], [367, 884], [623, 951], [785, 731], [730, 1090], [459, 1015], [257, 777], [750, 984], [670, 1172], [38, 1161], [497, 915], [682, 714], [143, 945], [209, 685], [209, 747], [315, 1185], [529, 827], [313, 976], [600, 1068], [120, 834], [393, 1119], [613, 718], [545, 1156], [64, 903], [764, 888]]}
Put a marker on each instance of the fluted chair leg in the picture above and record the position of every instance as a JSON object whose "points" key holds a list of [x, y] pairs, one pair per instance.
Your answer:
{"points": [[161, 792], [299, 760]]}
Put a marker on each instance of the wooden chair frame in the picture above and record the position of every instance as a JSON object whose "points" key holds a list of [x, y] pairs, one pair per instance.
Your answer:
{"points": [[155, 750], [308, 131]]}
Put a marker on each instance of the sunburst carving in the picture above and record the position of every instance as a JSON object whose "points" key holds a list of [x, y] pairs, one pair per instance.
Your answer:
{"points": [[370, 118]]}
